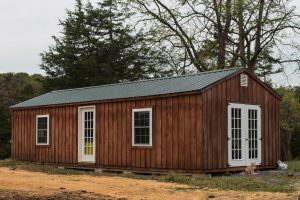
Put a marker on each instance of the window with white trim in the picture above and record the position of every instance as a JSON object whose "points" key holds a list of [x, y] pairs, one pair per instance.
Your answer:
{"points": [[142, 127], [42, 129]]}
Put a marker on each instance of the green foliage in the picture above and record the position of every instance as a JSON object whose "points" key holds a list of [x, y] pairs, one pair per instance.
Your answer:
{"points": [[289, 122], [295, 144], [294, 165], [14, 88], [97, 47]]}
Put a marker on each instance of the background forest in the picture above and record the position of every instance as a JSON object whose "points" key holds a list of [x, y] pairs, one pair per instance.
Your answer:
{"points": [[115, 41]]}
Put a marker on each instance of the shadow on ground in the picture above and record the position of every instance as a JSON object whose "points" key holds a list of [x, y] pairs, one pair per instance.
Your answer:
{"points": [[79, 195]]}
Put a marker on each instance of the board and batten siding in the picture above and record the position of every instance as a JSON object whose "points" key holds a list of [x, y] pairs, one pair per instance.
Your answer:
{"points": [[215, 125], [189, 130], [176, 134]]}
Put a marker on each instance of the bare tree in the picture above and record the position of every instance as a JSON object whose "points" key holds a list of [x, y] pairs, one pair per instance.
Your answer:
{"points": [[210, 34]]}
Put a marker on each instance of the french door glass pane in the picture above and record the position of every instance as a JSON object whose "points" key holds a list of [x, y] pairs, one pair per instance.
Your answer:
{"points": [[252, 134], [88, 133], [236, 133]]}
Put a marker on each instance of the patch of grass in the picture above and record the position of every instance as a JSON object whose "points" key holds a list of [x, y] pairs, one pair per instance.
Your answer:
{"points": [[294, 165], [12, 164], [245, 183], [184, 188]]}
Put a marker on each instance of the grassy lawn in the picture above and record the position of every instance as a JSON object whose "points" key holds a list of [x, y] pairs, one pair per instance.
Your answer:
{"points": [[294, 165], [274, 183], [270, 183]]}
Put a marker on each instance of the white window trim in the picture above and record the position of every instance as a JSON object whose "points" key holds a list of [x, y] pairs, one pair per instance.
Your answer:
{"points": [[245, 161], [80, 157], [150, 127], [36, 129]]}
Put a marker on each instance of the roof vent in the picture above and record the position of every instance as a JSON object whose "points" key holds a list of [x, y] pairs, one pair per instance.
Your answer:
{"points": [[244, 80]]}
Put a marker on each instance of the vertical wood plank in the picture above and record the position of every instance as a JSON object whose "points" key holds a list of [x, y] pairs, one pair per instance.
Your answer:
{"points": [[132, 150], [205, 131], [163, 133], [64, 135], [128, 133], [181, 132], [74, 134], [115, 133], [110, 134], [175, 138], [187, 133], [209, 130], [273, 130], [101, 133], [158, 132], [147, 150], [224, 127], [67, 126], [106, 138], [119, 133], [192, 146], [153, 151], [267, 138], [199, 127], [169, 132], [124, 135]]}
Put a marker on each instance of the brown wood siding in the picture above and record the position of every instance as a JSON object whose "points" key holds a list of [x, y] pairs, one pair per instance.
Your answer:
{"points": [[62, 138], [176, 134], [189, 131], [215, 100]]}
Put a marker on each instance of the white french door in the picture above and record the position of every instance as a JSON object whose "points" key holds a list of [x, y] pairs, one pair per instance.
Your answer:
{"points": [[244, 134], [86, 134]]}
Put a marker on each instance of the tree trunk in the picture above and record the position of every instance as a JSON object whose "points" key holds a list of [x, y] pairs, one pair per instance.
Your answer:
{"points": [[257, 48], [222, 30], [240, 10]]}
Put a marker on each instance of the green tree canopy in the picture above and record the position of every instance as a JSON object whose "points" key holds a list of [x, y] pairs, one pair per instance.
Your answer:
{"points": [[96, 47], [14, 88], [290, 122]]}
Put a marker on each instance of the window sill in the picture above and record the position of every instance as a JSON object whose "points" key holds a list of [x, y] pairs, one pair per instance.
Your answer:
{"points": [[142, 147]]}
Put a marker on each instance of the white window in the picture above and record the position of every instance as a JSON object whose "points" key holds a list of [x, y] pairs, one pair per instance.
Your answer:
{"points": [[142, 127], [42, 129]]}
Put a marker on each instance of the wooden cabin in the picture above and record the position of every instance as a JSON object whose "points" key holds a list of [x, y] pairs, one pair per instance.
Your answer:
{"points": [[207, 122]]}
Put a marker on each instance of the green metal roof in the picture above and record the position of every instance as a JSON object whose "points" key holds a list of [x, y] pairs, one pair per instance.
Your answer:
{"points": [[144, 88]]}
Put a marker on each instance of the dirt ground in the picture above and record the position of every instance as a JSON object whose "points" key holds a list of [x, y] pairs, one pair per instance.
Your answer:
{"points": [[20, 184]]}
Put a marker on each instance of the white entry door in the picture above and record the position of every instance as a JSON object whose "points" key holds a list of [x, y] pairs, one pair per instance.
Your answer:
{"points": [[244, 134], [86, 134]]}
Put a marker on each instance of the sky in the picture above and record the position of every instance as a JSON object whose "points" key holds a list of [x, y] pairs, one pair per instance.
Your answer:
{"points": [[26, 27]]}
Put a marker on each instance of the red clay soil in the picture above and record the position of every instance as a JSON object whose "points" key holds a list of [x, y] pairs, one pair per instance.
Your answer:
{"points": [[20, 184]]}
